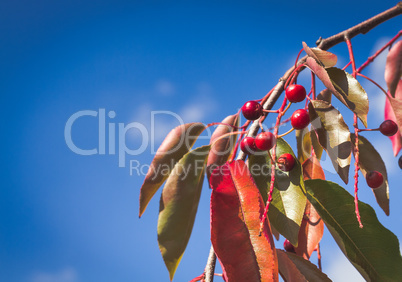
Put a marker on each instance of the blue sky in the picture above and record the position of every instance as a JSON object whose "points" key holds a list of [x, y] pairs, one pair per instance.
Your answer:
{"points": [[66, 217]]}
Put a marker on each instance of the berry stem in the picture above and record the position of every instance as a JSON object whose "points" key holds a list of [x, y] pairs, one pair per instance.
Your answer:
{"points": [[375, 83], [357, 168], [313, 85], [356, 129], [367, 129], [286, 133], [348, 64], [352, 58], [371, 59], [273, 158], [298, 56]]}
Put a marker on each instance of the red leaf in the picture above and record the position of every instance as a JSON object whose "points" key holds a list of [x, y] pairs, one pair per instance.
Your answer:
{"points": [[176, 144], [222, 149], [236, 209], [312, 227], [397, 138], [393, 67]]}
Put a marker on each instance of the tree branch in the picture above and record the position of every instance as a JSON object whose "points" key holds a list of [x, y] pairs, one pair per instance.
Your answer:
{"points": [[323, 44]]}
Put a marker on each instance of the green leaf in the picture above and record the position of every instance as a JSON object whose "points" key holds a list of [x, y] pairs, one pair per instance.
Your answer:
{"points": [[287, 207], [324, 58], [333, 135], [344, 86], [294, 268], [369, 160], [373, 249], [176, 144], [178, 206]]}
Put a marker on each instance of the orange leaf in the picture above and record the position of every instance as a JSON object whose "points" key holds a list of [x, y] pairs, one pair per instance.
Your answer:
{"points": [[222, 149], [312, 227], [236, 210]]}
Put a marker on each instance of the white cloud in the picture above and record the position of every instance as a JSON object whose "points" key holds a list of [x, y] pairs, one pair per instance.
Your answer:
{"points": [[376, 72], [67, 274], [341, 270], [164, 87], [200, 106]]}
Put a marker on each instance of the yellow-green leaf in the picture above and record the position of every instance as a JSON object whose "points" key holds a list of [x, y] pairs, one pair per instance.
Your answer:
{"points": [[178, 206], [370, 160], [333, 135], [344, 86], [177, 143], [287, 207]]}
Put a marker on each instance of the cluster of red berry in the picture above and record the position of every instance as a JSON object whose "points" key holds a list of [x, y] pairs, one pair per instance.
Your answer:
{"points": [[300, 119], [264, 141]]}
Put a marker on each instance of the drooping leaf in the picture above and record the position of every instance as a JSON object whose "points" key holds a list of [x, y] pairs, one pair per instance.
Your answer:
{"points": [[222, 149], [316, 144], [396, 139], [373, 249], [370, 160], [178, 206], [303, 144], [333, 135], [312, 169], [325, 58], [393, 67], [294, 268], [344, 86], [236, 210], [312, 227], [325, 95], [286, 210], [396, 105], [176, 144]]}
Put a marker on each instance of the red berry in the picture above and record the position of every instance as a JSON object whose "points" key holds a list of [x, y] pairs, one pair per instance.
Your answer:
{"points": [[295, 93], [388, 127], [247, 145], [251, 110], [300, 119], [286, 162], [288, 246], [265, 141], [374, 179]]}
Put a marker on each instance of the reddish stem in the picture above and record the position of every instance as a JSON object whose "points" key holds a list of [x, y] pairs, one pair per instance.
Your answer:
{"points": [[371, 59], [313, 84], [356, 177], [375, 83], [298, 56], [348, 64], [273, 159], [293, 75]]}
